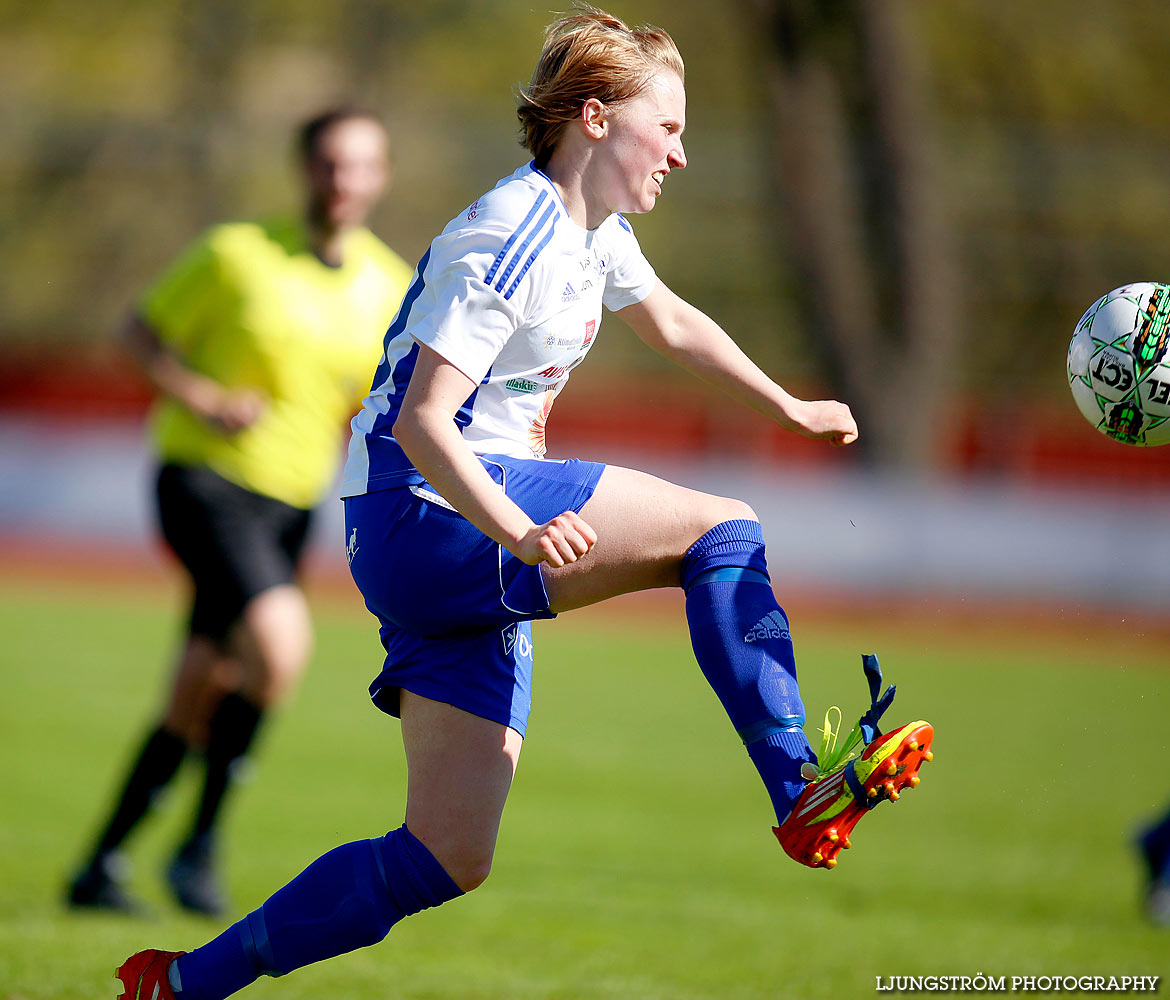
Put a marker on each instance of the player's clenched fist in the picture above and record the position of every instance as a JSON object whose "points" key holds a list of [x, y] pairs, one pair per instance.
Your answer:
{"points": [[564, 539], [827, 419]]}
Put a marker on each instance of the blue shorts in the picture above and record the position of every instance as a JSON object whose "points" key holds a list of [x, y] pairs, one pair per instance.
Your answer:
{"points": [[453, 605]]}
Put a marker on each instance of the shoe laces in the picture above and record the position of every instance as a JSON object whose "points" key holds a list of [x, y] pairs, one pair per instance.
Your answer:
{"points": [[832, 757], [836, 754]]}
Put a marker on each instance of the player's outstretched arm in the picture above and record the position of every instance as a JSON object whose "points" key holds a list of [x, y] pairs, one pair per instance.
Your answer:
{"points": [[677, 330], [427, 432]]}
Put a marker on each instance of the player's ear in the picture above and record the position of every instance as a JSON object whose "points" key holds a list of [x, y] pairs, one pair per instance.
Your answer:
{"points": [[595, 117]]}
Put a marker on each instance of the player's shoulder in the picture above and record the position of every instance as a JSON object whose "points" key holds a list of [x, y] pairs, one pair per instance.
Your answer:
{"points": [[524, 201], [616, 231], [618, 223], [508, 235]]}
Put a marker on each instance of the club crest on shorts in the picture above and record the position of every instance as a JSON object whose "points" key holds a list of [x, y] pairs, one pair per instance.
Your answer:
{"points": [[515, 638], [351, 547]]}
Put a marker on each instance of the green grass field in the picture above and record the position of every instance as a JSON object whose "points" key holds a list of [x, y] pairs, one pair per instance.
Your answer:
{"points": [[635, 859]]}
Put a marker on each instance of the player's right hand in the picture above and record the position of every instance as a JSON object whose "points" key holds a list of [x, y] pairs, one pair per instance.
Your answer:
{"points": [[564, 539]]}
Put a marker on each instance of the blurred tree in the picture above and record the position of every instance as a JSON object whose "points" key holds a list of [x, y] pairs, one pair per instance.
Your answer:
{"points": [[128, 125], [214, 39], [860, 205]]}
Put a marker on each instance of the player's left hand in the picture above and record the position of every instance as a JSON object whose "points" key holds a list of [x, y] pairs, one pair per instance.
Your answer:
{"points": [[826, 419]]}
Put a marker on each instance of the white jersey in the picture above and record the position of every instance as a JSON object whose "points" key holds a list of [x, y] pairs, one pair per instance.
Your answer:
{"points": [[510, 293]]}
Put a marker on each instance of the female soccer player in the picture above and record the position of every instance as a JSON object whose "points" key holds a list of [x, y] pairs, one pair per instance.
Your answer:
{"points": [[459, 532]]}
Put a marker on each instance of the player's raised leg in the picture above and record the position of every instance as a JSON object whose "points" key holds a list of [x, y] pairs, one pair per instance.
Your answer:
{"points": [[460, 771], [654, 534]]}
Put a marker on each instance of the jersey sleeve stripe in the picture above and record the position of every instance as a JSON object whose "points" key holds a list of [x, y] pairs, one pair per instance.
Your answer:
{"points": [[548, 214], [500, 257], [528, 263]]}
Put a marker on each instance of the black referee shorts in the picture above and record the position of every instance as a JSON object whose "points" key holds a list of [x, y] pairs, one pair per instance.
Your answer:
{"points": [[233, 542]]}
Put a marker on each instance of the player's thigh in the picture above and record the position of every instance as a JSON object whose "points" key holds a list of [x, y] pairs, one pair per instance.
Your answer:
{"points": [[460, 768], [644, 527]]}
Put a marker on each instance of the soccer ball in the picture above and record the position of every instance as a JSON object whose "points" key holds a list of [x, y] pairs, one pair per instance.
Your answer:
{"points": [[1118, 368]]}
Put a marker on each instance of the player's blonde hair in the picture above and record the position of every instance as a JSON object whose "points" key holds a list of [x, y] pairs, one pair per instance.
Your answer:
{"points": [[588, 53]]}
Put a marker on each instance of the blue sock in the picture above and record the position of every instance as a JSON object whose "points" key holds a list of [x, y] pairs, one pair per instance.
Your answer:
{"points": [[346, 899], [740, 637]]}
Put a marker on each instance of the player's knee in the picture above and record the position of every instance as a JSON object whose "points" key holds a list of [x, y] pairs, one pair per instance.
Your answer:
{"points": [[465, 856], [719, 510], [738, 510], [469, 870]]}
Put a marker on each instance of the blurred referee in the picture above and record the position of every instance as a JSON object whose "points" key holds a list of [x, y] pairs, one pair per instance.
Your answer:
{"points": [[260, 340]]}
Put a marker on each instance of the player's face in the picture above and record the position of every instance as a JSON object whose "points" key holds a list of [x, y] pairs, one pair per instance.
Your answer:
{"points": [[644, 144], [347, 173]]}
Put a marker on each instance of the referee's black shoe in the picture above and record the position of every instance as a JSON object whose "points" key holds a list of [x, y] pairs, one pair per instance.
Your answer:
{"points": [[99, 886], [193, 878]]}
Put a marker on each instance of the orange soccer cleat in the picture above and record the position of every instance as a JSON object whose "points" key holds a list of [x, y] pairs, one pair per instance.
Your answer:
{"points": [[818, 827], [145, 975]]}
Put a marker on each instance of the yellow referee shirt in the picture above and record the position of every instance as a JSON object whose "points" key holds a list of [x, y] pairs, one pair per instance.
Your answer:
{"points": [[251, 306]]}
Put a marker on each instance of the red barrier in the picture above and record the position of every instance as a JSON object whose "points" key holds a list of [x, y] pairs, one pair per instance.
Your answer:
{"points": [[1041, 442]]}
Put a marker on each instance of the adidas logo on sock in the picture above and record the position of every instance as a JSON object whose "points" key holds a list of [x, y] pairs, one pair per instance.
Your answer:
{"points": [[772, 626]]}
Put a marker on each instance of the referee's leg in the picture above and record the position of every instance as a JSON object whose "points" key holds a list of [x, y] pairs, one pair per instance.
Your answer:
{"points": [[268, 648], [273, 641]]}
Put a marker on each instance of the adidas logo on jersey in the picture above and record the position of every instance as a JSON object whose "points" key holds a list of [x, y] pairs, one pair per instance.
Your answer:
{"points": [[569, 295], [772, 626]]}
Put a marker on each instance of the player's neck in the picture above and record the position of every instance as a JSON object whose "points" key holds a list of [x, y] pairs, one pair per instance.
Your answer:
{"points": [[570, 175]]}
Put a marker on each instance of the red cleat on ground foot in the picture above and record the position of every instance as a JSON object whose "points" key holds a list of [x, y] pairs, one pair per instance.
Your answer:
{"points": [[819, 825], [144, 975]]}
